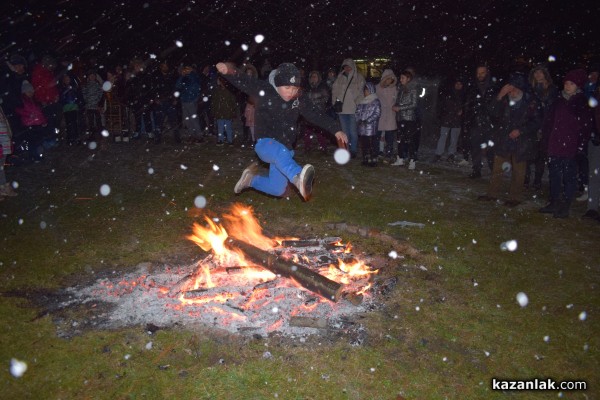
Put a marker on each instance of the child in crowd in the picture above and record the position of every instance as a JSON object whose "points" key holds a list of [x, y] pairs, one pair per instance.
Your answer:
{"points": [[223, 108], [69, 98], [277, 112], [34, 122], [367, 113]]}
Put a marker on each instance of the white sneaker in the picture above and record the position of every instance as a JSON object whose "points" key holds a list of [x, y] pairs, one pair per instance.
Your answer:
{"points": [[412, 164], [304, 181], [246, 178], [584, 196], [399, 161]]}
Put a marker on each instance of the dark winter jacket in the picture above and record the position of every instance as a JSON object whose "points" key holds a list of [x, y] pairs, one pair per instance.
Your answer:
{"points": [[477, 106], [507, 115], [568, 126], [223, 104], [275, 117], [318, 93], [451, 108], [188, 87], [368, 112]]}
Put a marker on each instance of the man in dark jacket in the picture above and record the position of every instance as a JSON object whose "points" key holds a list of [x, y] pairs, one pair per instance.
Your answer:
{"points": [[517, 118], [478, 124], [278, 108]]}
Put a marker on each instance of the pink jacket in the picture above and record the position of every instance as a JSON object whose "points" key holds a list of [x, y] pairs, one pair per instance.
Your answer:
{"points": [[387, 96], [31, 113]]}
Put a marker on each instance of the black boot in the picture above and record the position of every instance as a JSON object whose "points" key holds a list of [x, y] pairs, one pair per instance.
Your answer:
{"points": [[562, 211], [550, 208]]}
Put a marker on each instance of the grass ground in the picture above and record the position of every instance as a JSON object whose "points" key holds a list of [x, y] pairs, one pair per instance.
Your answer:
{"points": [[450, 325]]}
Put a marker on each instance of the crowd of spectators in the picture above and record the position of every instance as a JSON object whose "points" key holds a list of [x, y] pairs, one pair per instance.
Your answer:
{"points": [[517, 125]]}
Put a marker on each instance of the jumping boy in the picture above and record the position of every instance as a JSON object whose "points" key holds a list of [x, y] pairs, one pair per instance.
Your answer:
{"points": [[277, 110]]}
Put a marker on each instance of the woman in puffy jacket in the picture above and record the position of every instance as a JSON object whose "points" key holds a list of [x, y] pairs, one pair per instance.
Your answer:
{"points": [[367, 115]]}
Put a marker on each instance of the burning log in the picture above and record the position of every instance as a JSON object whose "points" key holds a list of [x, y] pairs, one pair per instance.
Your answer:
{"points": [[306, 277]]}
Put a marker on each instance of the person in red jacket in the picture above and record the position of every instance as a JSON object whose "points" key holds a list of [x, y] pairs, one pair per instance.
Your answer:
{"points": [[35, 123], [45, 85]]}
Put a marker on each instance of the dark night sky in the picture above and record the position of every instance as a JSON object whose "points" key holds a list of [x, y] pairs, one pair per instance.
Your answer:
{"points": [[435, 36]]}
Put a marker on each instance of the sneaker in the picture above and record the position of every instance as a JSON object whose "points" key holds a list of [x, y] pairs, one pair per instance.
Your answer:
{"points": [[246, 179], [584, 196], [304, 181], [412, 164], [399, 161]]}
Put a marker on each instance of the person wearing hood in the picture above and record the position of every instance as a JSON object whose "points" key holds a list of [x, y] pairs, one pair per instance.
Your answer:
{"points": [[451, 115], [387, 92], [566, 129], [277, 111], [406, 116], [368, 112], [478, 126], [318, 94], [545, 93], [347, 92], [516, 116]]}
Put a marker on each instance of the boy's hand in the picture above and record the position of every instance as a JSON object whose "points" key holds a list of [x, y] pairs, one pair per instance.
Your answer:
{"points": [[342, 139], [222, 68]]}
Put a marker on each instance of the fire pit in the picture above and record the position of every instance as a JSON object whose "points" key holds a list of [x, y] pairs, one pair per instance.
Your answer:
{"points": [[248, 283]]}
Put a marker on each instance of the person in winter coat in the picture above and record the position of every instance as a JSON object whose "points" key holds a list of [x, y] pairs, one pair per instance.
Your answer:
{"points": [[277, 115], [406, 116], [516, 116], [45, 85], [12, 75], [451, 115], [70, 99], [478, 125], [224, 109], [387, 92], [188, 86], [545, 93], [348, 89], [318, 94], [566, 129], [367, 114], [36, 128], [93, 97], [593, 201]]}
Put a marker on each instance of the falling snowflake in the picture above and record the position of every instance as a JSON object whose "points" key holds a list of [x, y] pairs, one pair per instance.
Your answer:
{"points": [[393, 254], [105, 133], [510, 245], [215, 167], [259, 38], [522, 299], [551, 58], [341, 156], [178, 43], [17, 367], [105, 190], [200, 201], [183, 167], [582, 316], [106, 86]]}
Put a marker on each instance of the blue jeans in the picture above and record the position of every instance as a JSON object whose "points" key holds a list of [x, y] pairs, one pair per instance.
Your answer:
{"points": [[562, 173], [225, 125], [282, 167], [349, 127]]}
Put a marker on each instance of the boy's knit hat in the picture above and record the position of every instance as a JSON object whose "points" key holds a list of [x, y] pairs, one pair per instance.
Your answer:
{"points": [[287, 75], [26, 87], [577, 76]]}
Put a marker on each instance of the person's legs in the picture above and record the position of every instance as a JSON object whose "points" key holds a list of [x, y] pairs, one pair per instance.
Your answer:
{"points": [[454, 135], [282, 167], [517, 178], [220, 130], [441, 143], [476, 151], [403, 139], [414, 139], [593, 202], [390, 138], [496, 178], [229, 130], [348, 123]]}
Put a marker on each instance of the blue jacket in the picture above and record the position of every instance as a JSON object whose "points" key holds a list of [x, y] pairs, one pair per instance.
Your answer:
{"points": [[188, 87]]}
